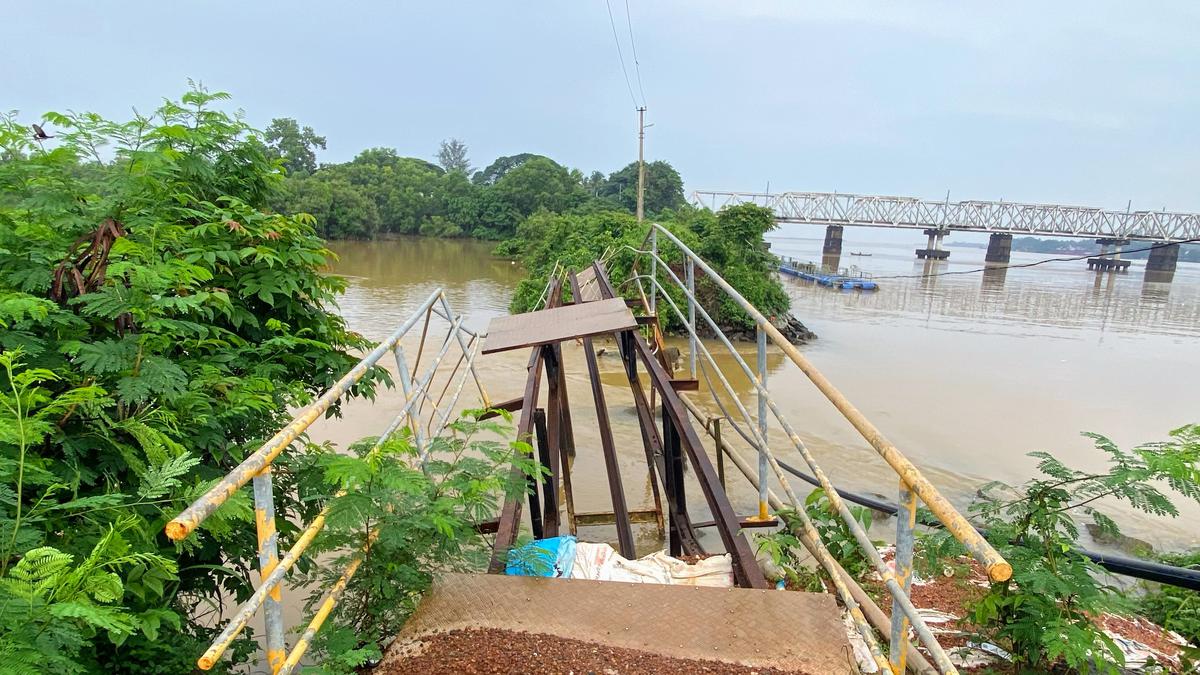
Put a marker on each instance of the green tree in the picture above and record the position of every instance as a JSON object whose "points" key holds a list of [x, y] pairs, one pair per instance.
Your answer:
{"points": [[295, 145], [664, 187], [452, 156], [502, 165], [341, 210], [154, 275], [536, 184]]}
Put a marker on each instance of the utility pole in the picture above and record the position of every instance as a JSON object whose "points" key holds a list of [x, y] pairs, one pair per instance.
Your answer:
{"points": [[641, 193]]}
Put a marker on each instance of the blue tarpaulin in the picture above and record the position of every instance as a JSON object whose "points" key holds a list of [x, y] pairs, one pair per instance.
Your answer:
{"points": [[552, 557]]}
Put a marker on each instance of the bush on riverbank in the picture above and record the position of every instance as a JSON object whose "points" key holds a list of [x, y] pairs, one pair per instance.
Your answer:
{"points": [[731, 241], [1055, 612]]}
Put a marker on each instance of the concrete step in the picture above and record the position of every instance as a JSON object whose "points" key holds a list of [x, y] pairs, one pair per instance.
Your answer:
{"points": [[758, 628]]}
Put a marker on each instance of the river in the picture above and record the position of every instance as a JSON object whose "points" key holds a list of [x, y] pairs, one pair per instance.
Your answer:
{"points": [[966, 373]]}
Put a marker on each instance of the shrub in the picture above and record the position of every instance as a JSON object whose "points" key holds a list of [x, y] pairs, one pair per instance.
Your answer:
{"points": [[413, 519]]}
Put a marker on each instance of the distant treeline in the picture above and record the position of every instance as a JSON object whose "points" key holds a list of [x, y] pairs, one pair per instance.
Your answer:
{"points": [[379, 192], [1066, 246]]}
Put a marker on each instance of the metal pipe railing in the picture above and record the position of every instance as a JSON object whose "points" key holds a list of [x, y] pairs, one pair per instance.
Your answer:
{"points": [[912, 485], [257, 468], [902, 605], [997, 568]]}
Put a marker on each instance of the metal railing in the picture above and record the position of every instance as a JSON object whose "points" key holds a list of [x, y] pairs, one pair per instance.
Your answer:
{"points": [[913, 486], [256, 468]]}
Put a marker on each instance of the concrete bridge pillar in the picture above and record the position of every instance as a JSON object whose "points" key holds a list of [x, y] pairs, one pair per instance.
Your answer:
{"points": [[1160, 266], [933, 248], [833, 240], [999, 249], [1109, 261]]}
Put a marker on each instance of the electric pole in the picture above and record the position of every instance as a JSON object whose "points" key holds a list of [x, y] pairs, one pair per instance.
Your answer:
{"points": [[641, 189]]}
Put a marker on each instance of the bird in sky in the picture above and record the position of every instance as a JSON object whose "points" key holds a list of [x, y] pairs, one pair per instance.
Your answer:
{"points": [[40, 134]]}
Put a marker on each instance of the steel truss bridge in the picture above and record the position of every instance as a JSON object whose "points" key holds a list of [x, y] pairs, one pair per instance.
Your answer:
{"points": [[834, 208]]}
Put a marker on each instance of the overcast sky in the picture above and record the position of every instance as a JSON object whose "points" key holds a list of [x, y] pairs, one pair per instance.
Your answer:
{"points": [[1091, 103]]}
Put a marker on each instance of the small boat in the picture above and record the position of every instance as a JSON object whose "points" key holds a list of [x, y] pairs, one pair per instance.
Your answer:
{"points": [[865, 255]]}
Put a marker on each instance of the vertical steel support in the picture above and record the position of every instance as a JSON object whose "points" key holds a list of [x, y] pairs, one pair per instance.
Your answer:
{"points": [[762, 423], [550, 521], [906, 521], [268, 558], [716, 434], [673, 460], [566, 438], [406, 387], [690, 269]]}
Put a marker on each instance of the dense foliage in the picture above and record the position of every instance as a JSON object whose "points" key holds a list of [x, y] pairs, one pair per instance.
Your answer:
{"points": [[413, 515], [1045, 615], [157, 321], [1175, 608], [731, 241], [379, 192]]}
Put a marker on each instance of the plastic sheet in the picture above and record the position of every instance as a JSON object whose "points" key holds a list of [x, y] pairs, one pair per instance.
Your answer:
{"points": [[601, 562]]}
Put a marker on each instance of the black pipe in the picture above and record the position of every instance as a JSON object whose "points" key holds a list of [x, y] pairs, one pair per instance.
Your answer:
{"points": [[1130, 567]]}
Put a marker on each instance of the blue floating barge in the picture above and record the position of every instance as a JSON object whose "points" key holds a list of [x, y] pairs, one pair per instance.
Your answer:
{"points": [[842, 281]]}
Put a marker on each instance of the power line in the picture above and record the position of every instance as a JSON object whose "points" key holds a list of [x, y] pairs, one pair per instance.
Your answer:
{"points": [[617, 41], [1032, 264], [637, 67]]}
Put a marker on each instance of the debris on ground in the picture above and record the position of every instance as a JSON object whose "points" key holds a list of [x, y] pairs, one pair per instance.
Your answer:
{"points": [[942, 601]]}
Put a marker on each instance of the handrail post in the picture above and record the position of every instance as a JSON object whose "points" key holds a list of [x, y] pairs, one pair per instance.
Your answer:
{"points": [[762, 422], [406, 387], [906, 521], [690, 268], [268, 558]]}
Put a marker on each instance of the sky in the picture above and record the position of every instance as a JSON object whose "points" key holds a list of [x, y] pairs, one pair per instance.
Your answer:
{"points": [[1088, 103]]}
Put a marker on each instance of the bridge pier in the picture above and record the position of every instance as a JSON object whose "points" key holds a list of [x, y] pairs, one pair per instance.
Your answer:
{"points": [[833, 240], [1161, 264], [999, 250], [1110, 262], [933, 248]]}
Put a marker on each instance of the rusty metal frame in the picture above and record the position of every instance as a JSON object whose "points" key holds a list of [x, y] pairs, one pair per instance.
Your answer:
{"points": [[746, 569], [913, 485], [653, 445], [510, 512]]}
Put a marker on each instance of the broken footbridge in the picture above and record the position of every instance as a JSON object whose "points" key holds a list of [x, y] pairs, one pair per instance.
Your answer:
{"points": [[675, 433]]}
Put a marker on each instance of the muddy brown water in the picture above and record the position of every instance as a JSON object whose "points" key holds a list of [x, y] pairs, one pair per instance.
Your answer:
{"points": [[965, 373]]}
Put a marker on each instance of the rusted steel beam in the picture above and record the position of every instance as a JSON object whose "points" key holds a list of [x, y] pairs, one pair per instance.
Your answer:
{"points": [[652, 442], [685, 384], [746, 568], [636, 516], [534, 485], [488, 526], [744, 521], [566, 438], [548, 487], [550, 521], [512, 405], [510, 513], [615, 486], [673, 458]]}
